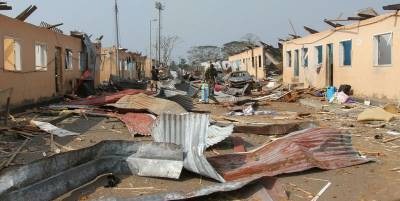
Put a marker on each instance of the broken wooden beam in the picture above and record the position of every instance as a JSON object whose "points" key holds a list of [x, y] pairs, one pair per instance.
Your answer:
{"points": [[26, 13], [294, 36], [335, 25], [310, 30], [7, 162], [54, 26], [392, 7], [356, 18]]}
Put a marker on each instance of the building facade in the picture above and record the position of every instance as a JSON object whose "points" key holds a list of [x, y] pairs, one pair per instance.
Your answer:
{"points": [[363, 55], [36, 62], [252, 61]]}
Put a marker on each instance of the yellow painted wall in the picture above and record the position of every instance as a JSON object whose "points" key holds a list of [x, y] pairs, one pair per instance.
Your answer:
{"points": [[31, 85], [366, 78], [245, 61]]}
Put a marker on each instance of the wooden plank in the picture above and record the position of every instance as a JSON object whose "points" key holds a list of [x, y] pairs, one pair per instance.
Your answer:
{"points": [[7, 163], [311, 31], [392, 7]]}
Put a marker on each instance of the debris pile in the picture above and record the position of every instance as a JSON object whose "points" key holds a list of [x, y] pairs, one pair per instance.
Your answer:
{"points": [[169, 133]]}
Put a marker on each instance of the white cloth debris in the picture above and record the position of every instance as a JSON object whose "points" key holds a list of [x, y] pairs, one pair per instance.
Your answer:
{"points": [[50, 128]]}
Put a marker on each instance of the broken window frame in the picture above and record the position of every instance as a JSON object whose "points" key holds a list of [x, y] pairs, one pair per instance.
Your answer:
{"points": [[17, 66], [68, 65], [319, 56], [42, 66], [289, 58], [377, 48], [304, 57], [342, 53]]}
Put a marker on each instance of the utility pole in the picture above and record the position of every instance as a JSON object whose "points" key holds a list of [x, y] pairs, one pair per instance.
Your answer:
{"points": [[117, 40], [160, 8], [151, 47]]}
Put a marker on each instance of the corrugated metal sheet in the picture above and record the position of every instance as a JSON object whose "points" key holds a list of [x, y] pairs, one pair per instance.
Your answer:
{"points": [[143, 102], [191, 131], [102, 100], [274, 190], [51, 177], [177, 96], [323, 148], [169, 92], [185, 101], [217, 134], [138, 123]]}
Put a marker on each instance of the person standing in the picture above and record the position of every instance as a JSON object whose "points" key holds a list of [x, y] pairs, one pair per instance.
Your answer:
{"points": [[211, 75], [154, 79]]}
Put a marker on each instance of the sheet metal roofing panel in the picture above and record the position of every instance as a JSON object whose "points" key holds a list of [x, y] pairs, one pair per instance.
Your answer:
{"points": [[112, 98], [217, 134], [138, 123], [143, 102], [323, 148], [185, 101], [51, 177], [189, 130]]}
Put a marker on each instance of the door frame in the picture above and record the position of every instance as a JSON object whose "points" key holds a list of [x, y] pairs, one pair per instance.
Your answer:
{"points": [[58, 70], [329, 65], [296, 63]]}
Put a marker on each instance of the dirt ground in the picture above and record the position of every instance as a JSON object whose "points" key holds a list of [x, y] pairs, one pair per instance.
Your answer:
{"points": [[368, 182]]}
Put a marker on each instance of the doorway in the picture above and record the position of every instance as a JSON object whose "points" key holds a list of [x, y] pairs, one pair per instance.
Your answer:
{"points": [[296, 63], [329, 65], [58, 70]]}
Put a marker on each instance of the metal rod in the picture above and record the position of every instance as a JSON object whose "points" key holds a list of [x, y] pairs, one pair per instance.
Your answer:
{"points": [[117, 45], [159, 35]]}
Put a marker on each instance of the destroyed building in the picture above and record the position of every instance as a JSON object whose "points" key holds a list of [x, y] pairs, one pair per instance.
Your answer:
{"points": [[257, 60], [132, 65], [361, 54], [37, 62]]}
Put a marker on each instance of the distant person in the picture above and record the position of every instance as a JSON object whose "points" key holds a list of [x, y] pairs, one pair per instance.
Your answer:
{"points": [[154, 79], [211, 75]]}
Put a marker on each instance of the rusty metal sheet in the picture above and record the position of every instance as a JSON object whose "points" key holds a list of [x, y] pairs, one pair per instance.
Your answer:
{"points": [[143, 102], [112, 98], [138, 123], [322, 148], [191, 131]]}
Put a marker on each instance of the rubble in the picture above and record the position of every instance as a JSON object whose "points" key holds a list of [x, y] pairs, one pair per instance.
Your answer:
{"points": [[298, 151], [375, 114]]}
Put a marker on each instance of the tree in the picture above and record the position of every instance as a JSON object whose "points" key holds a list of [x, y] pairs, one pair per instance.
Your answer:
{"points": [[200, 54], [168, 44], [183, 64], [234, 47], [251, 39]]}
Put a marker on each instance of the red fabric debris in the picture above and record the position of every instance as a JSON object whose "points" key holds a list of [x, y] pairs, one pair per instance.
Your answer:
{"points": [[322, 148], [112, 98], [138, 123]]}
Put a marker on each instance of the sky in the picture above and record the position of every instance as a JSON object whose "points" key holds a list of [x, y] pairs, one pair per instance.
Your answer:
{"points": [[196, 22]]}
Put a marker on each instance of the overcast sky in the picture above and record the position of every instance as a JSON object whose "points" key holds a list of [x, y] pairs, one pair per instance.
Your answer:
{"points": [[196, 22]]}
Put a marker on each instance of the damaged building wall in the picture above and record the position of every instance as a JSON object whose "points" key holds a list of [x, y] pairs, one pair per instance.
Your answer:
{"points": [[21, 71], [361, 71], [131, 64], [251, 61]]}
